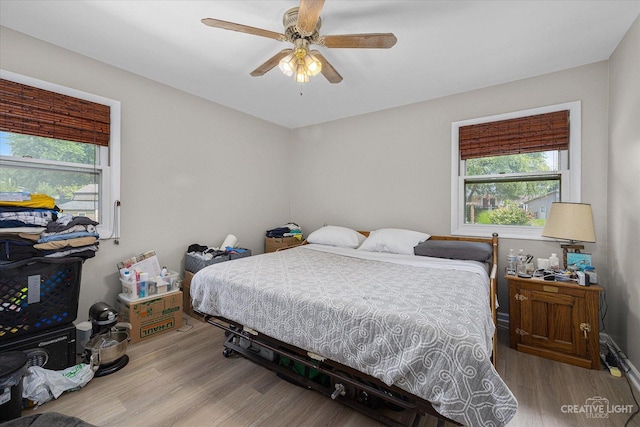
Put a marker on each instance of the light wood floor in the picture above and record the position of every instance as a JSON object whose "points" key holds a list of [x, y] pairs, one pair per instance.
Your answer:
{"points": [[182, 379]]}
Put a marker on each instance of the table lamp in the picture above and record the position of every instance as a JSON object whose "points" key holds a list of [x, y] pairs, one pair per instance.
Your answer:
{"points": [[572, 222]]}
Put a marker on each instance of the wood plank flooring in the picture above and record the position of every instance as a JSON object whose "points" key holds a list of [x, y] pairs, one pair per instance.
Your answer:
{"points": [[181, 379]]}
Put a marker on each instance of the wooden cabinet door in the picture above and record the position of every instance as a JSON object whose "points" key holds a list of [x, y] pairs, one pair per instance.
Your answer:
{"points": [[551, 321]]}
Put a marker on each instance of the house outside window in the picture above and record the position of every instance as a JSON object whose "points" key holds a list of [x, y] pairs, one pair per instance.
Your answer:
{"points": [[82, 177], [508, 169]]}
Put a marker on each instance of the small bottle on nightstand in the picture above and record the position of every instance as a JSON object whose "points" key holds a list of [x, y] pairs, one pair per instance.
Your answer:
{"points": [[521, 267], [511, 263]]}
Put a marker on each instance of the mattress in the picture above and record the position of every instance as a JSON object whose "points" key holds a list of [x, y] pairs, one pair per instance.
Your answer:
{"points": [[420, 323]]}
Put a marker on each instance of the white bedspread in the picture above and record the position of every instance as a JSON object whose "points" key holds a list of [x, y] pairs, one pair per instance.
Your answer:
{"points": [[422, 324]]}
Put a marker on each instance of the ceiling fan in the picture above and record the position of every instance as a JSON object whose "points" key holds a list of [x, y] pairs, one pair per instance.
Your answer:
{"points": [[302, 28]]}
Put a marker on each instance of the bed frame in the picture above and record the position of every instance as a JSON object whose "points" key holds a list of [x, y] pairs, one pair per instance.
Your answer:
{"points": [[359, 391], [493, 282]]}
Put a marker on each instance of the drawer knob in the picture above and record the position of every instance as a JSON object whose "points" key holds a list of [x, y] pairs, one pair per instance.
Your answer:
{"points": [[585, 327]]}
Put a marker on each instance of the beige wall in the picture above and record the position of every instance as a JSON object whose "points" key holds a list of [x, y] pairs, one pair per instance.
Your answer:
{"points": [[392, 168], [211, 171], [192, 171], [623, 292]]}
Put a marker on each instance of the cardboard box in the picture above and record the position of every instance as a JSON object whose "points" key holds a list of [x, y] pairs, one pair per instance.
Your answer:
{"points": [[151, 316], [186, 296], [271, 244]]}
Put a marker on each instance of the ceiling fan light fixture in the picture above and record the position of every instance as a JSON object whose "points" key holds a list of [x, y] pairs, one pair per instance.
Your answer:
{"points": [[300, 63], [288, 64], [312, 65], [301, 73]]}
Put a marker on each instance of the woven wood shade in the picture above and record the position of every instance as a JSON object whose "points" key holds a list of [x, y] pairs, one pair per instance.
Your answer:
{"points": [[32, 111], [542, 132]]}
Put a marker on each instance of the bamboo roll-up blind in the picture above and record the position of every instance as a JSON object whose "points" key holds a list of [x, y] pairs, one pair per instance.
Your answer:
{"points": [[33, 111], [542, 132]]}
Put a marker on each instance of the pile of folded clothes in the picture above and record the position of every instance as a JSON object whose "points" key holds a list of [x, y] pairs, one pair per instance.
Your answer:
{"points": [[288, 230], [69, 236], [23, 217], [31, 226]]}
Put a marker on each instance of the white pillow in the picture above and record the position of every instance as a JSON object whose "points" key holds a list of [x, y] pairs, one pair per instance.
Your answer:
{"points": [[393, 240], [333, 235]]}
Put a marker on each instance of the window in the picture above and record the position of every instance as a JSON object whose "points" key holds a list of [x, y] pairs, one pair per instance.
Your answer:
{"points": [[58, 155], [508, 169]]}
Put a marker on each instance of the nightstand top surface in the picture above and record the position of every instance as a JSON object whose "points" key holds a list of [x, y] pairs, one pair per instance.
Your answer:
{"points": [[593, 287]]}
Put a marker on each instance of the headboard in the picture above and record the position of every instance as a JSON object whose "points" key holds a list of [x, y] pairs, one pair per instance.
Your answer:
{"points": [[493, 241]]}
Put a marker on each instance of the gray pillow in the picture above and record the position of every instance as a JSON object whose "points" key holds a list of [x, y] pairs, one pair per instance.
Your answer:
{"points": [[455, 249]]}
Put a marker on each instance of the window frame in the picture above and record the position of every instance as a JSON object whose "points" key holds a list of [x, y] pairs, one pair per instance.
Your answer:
{"points": [[569, 170], [108, 158]]}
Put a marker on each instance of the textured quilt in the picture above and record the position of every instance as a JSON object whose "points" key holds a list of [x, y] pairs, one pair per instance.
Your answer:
{"points": [[423, 324]]}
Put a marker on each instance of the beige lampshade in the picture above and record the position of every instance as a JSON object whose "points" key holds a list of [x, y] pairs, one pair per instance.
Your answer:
{"points": [[570, 221]]}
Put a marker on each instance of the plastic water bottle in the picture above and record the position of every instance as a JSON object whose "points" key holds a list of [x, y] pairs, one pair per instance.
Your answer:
{"points": [[512, 263], [521, 267], [554, 262]]}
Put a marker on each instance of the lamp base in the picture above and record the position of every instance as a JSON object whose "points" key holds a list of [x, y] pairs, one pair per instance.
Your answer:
{"points": [[570, 247]]}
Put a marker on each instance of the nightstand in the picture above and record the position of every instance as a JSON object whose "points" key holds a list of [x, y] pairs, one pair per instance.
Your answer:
{"points": [[555, 320]]}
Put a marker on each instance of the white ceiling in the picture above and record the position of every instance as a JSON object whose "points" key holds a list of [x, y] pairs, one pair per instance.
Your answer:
{"points": [[444, 47]]}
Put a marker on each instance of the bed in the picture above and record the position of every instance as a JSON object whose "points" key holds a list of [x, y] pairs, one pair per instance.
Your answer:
{"points": [[416, 332]]}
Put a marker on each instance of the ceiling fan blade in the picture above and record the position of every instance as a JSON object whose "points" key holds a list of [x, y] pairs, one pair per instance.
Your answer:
{"points": [[270, 63], [308, 15], [217, 23], [327, 71], [371, 41]]}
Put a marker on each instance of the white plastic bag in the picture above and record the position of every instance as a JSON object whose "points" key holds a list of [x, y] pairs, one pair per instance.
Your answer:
{"points": [[41, 385]]}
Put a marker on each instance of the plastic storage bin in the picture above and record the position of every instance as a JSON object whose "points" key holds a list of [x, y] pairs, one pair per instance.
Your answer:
{"points": [[37, 294], [194, 264], [236, 255], [156, 285]]}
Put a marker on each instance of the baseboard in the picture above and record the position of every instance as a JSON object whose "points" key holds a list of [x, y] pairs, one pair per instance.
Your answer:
{"points": [[633, 374]]}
